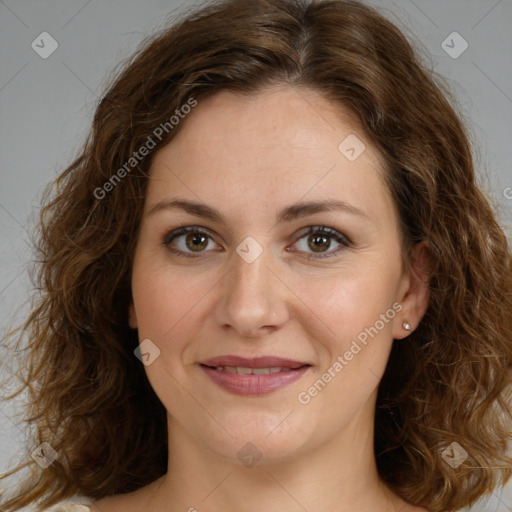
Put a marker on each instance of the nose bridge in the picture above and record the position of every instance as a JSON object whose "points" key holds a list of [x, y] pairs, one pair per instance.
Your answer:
{"points": [[251, 295], [249, 282]]}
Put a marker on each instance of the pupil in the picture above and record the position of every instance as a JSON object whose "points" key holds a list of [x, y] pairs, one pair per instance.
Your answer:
{"points": [[197, 241], [318, 241]]}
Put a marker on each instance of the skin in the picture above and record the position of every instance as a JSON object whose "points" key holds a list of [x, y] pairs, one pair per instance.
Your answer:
{"points": [[249, 156]]}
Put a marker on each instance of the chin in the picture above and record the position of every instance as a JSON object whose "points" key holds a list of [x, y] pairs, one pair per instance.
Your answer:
{"points": [[260, 439]]}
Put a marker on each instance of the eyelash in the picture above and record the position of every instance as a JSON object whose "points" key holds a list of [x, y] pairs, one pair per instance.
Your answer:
{"points": [[317, 230]]}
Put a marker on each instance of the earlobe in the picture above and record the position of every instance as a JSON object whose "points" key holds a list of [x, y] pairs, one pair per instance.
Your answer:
{"points": [[132, 317], [416, 296]]}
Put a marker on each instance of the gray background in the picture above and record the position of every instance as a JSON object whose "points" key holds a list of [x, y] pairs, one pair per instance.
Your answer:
{"points": [[46, 107]]}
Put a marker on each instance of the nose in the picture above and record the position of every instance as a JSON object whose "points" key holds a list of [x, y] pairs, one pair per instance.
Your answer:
{"points": [[253, 300]]}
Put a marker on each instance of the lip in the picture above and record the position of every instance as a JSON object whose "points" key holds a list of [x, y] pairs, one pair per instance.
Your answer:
{"points": [[253, 362], [250, 384]]}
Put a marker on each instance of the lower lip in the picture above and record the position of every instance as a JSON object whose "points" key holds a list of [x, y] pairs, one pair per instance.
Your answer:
{"points": [[254, 385]]}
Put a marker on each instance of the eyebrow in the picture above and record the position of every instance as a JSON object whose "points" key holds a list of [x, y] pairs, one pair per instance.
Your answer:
{"points": [[288, 214]]}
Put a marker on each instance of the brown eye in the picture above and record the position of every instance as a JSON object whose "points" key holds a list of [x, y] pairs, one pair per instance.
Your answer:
{"points": [[187, 241], [196, 242], [318, 241]]}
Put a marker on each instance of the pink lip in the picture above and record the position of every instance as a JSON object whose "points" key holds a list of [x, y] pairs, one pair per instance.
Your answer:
{"points": [[253, 384], [254, 362]]}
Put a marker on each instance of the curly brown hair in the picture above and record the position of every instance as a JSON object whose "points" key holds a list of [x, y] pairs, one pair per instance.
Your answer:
{"points": [[90, 398]]}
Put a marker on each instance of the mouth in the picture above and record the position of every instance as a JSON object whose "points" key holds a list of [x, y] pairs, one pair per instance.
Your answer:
{"points": [[257, 376], [240, 370]]}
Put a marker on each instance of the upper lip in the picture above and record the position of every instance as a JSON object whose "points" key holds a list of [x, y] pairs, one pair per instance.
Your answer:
{"points": [[255, 362]]}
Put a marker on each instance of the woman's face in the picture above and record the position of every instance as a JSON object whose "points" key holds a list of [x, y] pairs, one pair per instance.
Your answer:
{"points": [[270, 330]]}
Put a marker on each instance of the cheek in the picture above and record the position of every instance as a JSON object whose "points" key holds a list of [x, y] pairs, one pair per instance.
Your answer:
{"points": [[359, 311], [164, 297], [355, 352], [166, 304], [354, 302], [171, 305]]}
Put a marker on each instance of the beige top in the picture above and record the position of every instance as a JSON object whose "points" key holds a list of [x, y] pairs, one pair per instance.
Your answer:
{"points": [[70, 508], [64, 508]]}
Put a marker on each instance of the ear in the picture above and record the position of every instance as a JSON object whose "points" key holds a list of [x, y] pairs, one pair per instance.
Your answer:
{"points": [[132, 316], [414, 293]]}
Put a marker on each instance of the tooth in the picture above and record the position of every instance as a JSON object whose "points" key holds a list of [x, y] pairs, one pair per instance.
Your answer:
{"points": [[241, 370], [261, 371]]}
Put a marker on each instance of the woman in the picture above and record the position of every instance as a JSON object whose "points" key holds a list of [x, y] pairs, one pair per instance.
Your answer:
{"points": [[271, 281]]}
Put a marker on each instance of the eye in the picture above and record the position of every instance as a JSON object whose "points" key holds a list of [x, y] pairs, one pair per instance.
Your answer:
{"points": [[319, 238], [196, 240], [186, 241]]}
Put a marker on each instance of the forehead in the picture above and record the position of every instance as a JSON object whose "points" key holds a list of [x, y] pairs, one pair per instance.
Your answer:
{"points": [[273, 147], [299, 117]]}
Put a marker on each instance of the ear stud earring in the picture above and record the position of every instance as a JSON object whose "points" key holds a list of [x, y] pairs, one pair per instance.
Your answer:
{"points": [[406, 326]]}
